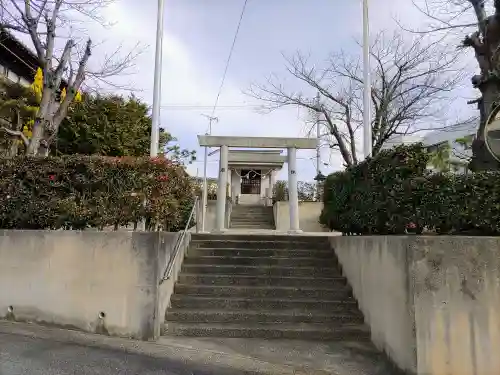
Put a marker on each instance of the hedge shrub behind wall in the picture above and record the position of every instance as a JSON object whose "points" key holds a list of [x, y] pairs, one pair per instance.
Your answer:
{"points": [[80, 191], [394, 192]]}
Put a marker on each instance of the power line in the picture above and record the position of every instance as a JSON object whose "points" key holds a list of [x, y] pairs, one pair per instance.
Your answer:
{"points": [[188, 105], [203, 108], [229, 57]]}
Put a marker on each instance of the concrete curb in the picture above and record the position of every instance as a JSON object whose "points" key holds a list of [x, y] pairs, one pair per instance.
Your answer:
{"points": [[199, 358]]}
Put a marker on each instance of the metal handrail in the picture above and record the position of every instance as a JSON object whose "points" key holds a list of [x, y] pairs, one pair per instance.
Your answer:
{"points": [[170, 265]]}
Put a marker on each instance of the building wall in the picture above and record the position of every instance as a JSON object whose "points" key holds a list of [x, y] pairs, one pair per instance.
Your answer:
{"points": [[68, 278], [438, 138], [431, 302], [5, 72], [235, 181], [17, 63]]}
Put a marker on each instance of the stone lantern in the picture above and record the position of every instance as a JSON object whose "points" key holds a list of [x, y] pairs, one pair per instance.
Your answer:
{"points": [[320, 179]]}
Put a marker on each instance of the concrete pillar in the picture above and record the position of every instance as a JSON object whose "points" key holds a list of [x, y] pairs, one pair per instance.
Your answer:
{"points": [[270, 189], [293, 195], [221, 191], [270, 184]]}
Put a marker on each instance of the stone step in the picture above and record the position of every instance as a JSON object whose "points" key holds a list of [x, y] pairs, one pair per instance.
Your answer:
{"points": [[266, 261], [262, 316], [260, 237], [236, 291], [252, 227], [246, 222], [252, 208], [251, 217], [262, 270], [244, 280], [249, 244], [204, 302], [304, 331], [251, 220], [299, 253], [251, 213]]}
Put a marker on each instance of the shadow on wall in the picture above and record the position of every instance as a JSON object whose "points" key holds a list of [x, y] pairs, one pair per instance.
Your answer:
{"points": [[432, 302], [102, 282]]}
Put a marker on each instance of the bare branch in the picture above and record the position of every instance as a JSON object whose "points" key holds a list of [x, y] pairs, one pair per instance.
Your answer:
{"points": [[73, 89], [411, 81], [45, 21]]}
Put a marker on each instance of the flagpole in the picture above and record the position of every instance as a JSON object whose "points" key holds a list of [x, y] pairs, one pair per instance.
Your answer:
{"points": [[367, 128], [155, 118], [155, 126]]}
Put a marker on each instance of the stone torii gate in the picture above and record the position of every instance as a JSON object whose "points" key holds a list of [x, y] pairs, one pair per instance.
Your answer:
{"points": [[291, 144]]}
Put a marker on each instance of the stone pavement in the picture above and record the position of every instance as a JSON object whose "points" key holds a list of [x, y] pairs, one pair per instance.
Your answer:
{"points": [[36, 350], [35, 356], [305, 357]]}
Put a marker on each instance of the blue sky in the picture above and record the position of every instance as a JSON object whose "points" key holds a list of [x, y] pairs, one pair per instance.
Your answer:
{"points": [[198, 35]]}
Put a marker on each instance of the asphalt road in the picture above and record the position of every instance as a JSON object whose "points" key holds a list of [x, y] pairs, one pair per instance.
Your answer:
{"points": [[21, 355]]}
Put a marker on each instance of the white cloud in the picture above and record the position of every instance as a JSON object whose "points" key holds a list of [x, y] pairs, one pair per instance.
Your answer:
{"points": [[192, 78]]}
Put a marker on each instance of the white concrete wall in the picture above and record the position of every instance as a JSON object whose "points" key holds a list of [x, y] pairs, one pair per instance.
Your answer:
{"points": [[210, 219], [457, 304], [309, 213], [431, 302], [376, 268], [67, 278]]}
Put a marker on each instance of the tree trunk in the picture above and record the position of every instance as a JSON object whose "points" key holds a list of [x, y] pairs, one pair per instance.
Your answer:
{"points": [[14, 147], [481, 158], [40, 125]]}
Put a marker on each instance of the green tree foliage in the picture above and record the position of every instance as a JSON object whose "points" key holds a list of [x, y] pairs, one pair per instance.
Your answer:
{"points": [[18, 107], [305, 191], [113, 126], [440, 158], [445, 158]]}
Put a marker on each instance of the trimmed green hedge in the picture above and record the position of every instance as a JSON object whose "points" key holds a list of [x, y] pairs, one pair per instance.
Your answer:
{"points": [[394, 193], [77, 192]]}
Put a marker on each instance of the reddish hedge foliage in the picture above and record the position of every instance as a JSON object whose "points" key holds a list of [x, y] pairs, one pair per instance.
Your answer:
{"points": [[76, 192]]}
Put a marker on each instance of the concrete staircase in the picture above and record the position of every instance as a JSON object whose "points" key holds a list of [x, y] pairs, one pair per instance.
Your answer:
{"points": [[263, 287], [252, 217]]}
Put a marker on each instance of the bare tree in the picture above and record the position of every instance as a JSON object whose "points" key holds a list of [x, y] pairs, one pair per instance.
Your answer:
{"points": [[42, 20], [410, 82], [479, 21]]}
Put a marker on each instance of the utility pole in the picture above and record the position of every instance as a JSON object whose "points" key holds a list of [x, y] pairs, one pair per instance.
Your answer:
{"points": [[318, 153], [155, 120], [367, 126], [155, 123], [205, 187]]}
